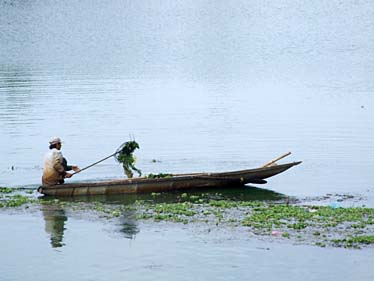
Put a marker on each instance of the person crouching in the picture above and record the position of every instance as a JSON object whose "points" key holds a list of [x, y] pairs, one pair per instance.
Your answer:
{"points": [[55, 165]]}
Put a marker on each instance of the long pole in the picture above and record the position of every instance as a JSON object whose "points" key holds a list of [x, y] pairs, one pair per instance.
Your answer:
{"points": [[89, 166], [276, 159]]}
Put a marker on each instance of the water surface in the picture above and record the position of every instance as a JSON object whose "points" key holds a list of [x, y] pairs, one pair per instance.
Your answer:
{"points": [[203, 86], [180, 253]]}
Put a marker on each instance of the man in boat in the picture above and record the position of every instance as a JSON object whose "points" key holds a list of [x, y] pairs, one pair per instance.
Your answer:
{"points": [[55, 165]]}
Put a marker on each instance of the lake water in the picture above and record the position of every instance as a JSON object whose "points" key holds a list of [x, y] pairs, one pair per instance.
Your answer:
{"points": [[100, 251], [203, 86]]}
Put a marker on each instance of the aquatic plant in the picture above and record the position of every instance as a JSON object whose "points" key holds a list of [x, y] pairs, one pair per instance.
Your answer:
{"points": [[125, 156], [364, 239], [175, 208], [16, 200], [6, 190], [158, 176], [354, 241], [320, 244], [155, 194], [314, 225]]}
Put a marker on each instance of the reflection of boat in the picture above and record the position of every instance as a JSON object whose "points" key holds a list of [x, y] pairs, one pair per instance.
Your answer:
{"points": [[174, 182]]}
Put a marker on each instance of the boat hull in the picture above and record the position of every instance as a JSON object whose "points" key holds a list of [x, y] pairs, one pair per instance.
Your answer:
{"points": [[179, 182]]}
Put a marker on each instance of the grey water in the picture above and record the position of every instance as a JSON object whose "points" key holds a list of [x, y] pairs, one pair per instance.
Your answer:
{"points": [[165, 253], [202, 86]]}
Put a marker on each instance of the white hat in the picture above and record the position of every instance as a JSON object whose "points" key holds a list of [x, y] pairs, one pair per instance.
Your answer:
{"points": [[55, 140]]}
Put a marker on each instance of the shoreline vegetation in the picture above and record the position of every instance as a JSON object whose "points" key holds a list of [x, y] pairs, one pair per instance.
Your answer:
{"points": [[294, 222]]}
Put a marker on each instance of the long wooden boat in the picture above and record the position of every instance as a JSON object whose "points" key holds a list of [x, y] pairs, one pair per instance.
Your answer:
{"points": [[175, 182]]}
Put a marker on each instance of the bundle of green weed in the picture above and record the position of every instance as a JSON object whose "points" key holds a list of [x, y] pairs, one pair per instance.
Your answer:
{"points": [[127, 159], [125, 154]]}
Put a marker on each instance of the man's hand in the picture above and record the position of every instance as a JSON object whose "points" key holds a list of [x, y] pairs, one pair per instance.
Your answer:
{"points": [[68, 175], [75, 169]]}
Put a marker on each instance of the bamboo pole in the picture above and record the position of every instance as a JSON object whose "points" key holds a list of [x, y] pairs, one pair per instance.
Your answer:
{"points": [[275, 160], [89, 166]]}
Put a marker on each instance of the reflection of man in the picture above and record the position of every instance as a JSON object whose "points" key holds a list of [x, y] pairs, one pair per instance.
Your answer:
{"points": [[55, 218], [128, 224], [55, 165]]}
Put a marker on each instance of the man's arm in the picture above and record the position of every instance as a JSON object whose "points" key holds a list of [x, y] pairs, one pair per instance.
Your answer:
{"points": [[69, 167]]}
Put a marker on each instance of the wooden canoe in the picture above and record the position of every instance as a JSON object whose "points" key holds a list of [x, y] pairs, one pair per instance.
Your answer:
{"points": [[176, 182]]}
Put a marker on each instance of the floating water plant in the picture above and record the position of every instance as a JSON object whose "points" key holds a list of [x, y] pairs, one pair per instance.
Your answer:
{"points": [[317, 225], [364, 239], [15, 201], [322, 226], [6, 190]]}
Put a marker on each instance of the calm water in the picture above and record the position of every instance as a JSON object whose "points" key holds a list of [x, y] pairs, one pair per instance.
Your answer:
{"points": [[203, 86], [164, 252]]}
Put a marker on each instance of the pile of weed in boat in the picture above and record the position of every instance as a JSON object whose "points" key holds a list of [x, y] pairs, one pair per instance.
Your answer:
{"points": [[159, 176]]}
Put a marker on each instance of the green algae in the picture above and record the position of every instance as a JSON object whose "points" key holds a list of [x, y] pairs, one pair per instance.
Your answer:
{"points": [[314, 225], [354, 241], [6, 190], [317, 225], [364, 239], [16, 200], [320, 244], [155, 194], [168, 212], [300, 217], [175, 212]]}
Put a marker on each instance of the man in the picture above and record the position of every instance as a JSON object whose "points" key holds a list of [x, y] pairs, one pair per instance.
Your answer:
{"points": [[55, 165]]}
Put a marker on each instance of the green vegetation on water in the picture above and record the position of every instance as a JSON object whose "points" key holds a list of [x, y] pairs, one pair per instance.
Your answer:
{"points": [[354, 240], [320, 224], [6, 190], [16, 200], [315, 225]]}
